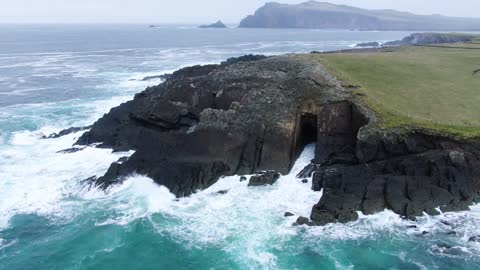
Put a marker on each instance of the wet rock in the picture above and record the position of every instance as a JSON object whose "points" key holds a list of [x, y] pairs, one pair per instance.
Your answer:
{"points": [[446, 223], [474, 239], [155, 77], [222, 192], [71, 150], [412, 227], [305, 181], [444, 246], [266, 178], [123, 159], [243, 179], [408, 179], [308, 170], [368, 44], [288, 214], [66, 132], [302, 221]]}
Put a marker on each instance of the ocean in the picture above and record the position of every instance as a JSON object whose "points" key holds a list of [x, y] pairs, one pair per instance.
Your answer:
{"points": [[57, 76]]}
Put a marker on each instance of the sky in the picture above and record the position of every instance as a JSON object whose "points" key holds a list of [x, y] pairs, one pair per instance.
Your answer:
{"points": [[193, 11]]}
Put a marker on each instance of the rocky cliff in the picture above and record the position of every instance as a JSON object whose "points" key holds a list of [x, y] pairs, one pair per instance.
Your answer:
{"points": [[255, 113], [323, 15]]}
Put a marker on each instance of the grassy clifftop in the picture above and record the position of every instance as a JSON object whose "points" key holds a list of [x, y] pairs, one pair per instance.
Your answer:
{"points": [[433, 87]]}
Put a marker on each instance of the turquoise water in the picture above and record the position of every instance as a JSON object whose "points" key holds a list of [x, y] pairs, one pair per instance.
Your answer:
{"points": [[54, 77]]}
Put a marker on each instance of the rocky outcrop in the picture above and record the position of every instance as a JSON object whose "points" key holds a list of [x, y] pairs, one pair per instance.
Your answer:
{"points": [[322, 15], [254, 114], [218, 24], [410, 174], [431, 38], [265, 178], [65, 132], [203, 122], [373, 44]]}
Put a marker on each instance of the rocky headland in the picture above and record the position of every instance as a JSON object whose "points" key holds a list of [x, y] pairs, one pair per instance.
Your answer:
{"points": [[257, 113], [324, 15]]}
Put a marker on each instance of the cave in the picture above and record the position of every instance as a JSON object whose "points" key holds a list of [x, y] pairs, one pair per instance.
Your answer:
{"points": [[333, 127], [306, 133]]}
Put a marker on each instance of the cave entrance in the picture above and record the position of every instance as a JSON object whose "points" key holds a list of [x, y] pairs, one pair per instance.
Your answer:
{"points": [[307, 132]]}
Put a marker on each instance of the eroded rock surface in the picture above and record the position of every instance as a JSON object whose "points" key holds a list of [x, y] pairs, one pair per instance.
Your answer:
{"points": [[255, 114], [203, 122]]}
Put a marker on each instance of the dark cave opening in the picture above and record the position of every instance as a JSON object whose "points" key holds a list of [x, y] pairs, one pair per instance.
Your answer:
{"points": [[307, 132]]}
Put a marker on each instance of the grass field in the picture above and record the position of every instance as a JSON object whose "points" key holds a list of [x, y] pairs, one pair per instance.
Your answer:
{"points": [[431, 87]]}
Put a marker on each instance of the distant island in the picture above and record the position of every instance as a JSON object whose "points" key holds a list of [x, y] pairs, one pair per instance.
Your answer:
{"points": [[323, 15], [218, 24]]}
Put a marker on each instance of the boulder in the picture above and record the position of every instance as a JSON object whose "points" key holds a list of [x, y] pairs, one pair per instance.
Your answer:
{"points": [[265, 178], [302, 221], [475, 238]]}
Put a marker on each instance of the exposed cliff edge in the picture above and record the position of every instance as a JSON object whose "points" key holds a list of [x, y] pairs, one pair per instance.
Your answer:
{"points": [[255, 113], [323, 15]]}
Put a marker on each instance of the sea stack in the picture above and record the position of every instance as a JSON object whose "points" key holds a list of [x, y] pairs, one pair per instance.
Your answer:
{"points": [[218, 24]]}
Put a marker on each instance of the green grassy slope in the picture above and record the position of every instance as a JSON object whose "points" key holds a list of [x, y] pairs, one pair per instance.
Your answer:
{"points": [[432, 87]]}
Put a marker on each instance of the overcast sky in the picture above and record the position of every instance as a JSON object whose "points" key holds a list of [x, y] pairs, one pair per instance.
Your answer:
{"points": [[193, 11]]}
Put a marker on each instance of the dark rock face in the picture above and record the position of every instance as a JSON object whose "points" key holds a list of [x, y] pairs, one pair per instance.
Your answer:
{"points": [[218, 24], [323, 15], [410, 174], [205, 122], [266, 178], [257, 114], [430, 38]]}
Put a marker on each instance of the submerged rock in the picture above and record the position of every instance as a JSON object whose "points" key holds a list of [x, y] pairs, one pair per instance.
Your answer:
{"points": [[266, 178], [288, 214], [474, 239], [71, 150]]}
